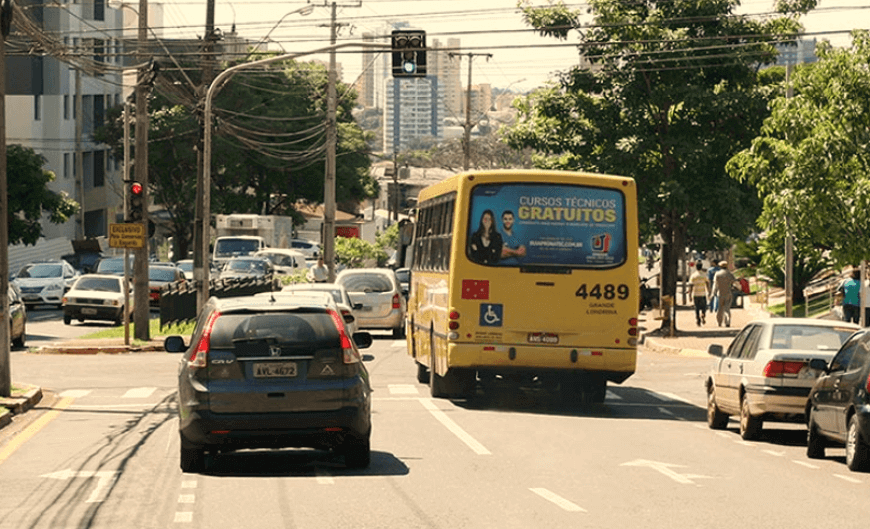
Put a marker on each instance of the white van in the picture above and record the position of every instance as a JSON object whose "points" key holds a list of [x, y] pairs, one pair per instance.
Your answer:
{"points": [[225, 248], [285, 261]]}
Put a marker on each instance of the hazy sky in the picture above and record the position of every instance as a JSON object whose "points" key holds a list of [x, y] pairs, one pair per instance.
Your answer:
{"points": [[520, 59]]}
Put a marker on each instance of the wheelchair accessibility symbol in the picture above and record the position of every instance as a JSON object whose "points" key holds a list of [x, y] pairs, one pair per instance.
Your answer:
{"points": [[491, 314]]}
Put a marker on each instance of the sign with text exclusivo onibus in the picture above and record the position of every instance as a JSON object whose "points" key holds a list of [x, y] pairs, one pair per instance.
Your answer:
{"points": [[130, 235]]}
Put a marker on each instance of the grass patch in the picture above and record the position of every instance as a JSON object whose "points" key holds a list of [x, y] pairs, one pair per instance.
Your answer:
{"points": [[184, 329]]}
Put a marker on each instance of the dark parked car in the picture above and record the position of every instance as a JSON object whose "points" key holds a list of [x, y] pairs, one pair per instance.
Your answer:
{"points": [[244, 267], [160, 275], [839, 407], [272, 371]]}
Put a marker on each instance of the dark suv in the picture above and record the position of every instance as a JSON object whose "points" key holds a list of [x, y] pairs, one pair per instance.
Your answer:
{"points": [[272, 371], [839, 405]]}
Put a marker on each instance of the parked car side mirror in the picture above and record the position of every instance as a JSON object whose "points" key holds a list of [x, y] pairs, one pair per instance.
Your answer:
{"points": [[715, 349], [818, 364], [174, 344]]}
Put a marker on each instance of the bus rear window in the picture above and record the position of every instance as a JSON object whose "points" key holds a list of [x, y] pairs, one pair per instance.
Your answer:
{"points": [[537, 225]]}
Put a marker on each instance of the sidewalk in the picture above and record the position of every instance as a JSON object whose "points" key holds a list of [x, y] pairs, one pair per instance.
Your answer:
{"points": [[691, 339]]}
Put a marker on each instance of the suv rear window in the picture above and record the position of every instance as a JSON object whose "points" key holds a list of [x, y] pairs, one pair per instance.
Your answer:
{"points": [[243, 331], [367, 283]]}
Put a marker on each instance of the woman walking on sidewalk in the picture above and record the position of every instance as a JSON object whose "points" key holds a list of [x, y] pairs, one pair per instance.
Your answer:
{"points": [[723, 284]]}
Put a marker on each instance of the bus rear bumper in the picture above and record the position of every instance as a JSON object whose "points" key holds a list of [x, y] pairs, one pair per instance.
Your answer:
{"points": [[615, 365]]}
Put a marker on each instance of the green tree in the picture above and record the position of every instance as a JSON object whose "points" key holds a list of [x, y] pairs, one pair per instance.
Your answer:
{"points": [[29, 197], [673, 92], [268, 145], [811, 159], [354, 253]]}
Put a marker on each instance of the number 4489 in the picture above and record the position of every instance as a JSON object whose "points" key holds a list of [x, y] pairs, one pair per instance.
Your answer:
{"points": [[597, 291]]}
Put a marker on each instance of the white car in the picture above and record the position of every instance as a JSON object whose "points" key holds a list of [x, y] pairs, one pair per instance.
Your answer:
{"points": [[765, 375], [379, 293], [45, 281], [97, 297], [338, 293], [311, 249], [285, 262]]}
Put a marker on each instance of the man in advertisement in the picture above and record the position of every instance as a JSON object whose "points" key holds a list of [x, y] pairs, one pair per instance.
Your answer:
{"points": [[512, 250]]}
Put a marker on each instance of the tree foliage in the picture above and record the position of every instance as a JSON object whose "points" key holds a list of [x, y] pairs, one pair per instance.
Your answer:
{"points": [[29, 197], [268, 145], [811, 160], [672, 93]]}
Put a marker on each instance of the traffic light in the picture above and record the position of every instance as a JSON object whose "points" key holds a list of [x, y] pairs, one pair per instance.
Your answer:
{"points": [[409, 53], [137, 202]]}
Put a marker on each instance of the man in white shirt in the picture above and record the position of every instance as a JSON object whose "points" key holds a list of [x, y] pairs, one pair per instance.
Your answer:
{"points": [[318, 273]]}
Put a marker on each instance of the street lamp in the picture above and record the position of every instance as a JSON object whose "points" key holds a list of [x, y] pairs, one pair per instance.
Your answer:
{"points": [[304, 11]]}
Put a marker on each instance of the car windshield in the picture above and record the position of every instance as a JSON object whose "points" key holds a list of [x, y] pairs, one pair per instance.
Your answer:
{"points": [[225, 247], [41, 271], [366, 283], [186, 266], [113, 265], [161, 274], [243, 265], [100, 284], [809, 338]]}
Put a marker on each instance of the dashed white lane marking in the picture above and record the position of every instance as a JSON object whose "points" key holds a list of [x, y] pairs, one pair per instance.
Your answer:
{"points": [[186, 498], [672, 396], [138, 393], [75, 393], [612, 396], [804, 463], [558, 500], [448, 423], [399, 343], [774, 453], [847, 478], [183, 517], [403, 389], [188, 484]]}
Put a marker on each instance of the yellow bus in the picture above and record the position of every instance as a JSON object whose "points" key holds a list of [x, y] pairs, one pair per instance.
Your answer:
{"points": [[524, 277]]}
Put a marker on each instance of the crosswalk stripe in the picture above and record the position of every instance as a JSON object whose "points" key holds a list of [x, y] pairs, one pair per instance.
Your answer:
{"points": [[138, 393], [75, 393], [402, 389]]}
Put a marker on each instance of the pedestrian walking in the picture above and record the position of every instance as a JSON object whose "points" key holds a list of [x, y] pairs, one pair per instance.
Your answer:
{"points": [[723, 285], [714, 299], [318, 273], [850, 288], [699, 286]]}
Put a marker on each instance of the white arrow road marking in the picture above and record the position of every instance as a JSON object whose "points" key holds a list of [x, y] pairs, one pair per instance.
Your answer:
{"points": [[105, 478], [665, 469], [558, 500]]}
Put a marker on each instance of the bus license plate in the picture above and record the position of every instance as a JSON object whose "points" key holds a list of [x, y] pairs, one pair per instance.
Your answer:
{"points": [[543, 337], [275, 369]]}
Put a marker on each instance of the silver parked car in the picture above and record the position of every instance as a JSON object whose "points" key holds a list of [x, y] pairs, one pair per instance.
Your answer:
{"points": [[765, 375], [45, 281], [379, 293]]}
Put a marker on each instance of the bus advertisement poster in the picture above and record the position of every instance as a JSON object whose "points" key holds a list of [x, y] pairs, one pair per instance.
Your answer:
{"points": [[546, 225]]}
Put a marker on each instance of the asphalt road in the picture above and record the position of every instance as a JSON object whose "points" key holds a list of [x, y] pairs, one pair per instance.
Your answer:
{"points": [[101, 451]]}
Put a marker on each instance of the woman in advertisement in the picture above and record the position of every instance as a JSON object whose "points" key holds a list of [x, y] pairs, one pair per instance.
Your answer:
{"points": [[486, 242]]}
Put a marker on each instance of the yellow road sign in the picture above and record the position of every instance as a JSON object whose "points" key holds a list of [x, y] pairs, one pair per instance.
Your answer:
{"points": [[126, 235]]}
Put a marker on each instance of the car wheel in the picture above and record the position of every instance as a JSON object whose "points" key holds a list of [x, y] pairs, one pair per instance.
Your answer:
{"points": [[357, 452], [815, 440], [192, 458], [18, 342], [716, 419], [856, 448], [67, 319], [750, 427], [422, 373]]}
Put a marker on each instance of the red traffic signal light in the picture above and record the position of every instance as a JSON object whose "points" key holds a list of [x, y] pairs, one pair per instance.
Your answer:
{"points": [[136, 210]]}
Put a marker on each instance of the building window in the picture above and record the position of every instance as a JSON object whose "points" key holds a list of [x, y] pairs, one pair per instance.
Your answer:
{"points": [[66, 168], [99, 168], [66, 106], [37, 111]]}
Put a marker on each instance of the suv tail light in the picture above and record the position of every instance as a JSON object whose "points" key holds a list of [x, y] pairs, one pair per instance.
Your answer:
{"points": [[779, 368], [199, 357], [350, 354], [396, 304]]}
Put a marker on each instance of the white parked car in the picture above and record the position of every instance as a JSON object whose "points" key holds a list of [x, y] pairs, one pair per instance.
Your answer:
{"points": [[284, 261], [45, 281], [765, 375], [97, 297], [379, 293], [338, 293], [311, 249]]}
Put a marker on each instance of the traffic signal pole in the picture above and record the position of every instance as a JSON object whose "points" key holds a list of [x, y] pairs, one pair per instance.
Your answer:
{"points": [[141, 290]]}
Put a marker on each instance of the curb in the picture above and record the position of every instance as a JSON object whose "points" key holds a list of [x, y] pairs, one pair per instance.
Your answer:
{"points": [[97, 349], [653, 345], [18, 405]]}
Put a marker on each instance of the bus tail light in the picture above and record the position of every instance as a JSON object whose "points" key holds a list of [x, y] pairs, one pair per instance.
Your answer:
{"points": [[453, 324], [780, 368], [199, 357]]}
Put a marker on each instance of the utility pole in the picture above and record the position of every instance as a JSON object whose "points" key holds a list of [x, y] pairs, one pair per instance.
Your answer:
{"points": [[5, 371], [201, 258], [466, 141], [328, 232], [141, 290], [789, 240]]}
